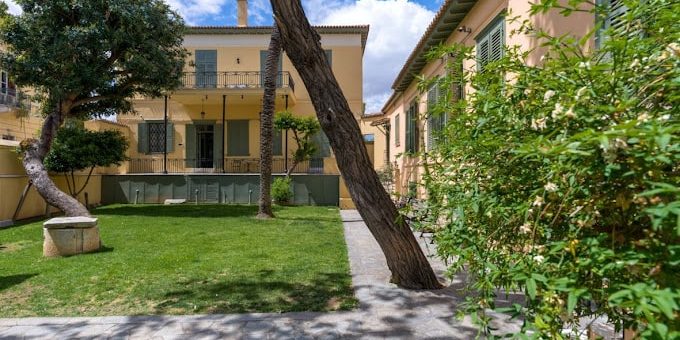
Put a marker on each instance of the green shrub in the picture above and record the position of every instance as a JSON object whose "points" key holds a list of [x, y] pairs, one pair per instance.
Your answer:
{"points": [[281, 190], [564, 182]]}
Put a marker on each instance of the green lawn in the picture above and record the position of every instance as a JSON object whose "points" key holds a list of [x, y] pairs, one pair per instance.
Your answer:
{"points": [[183, 260]]}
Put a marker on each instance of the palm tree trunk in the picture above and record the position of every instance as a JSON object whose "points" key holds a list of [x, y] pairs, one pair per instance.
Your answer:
{"points": [[405, 259], [267, 125]]}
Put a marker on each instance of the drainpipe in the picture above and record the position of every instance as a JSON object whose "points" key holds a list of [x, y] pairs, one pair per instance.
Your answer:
{"points": [[165, 134], [224, 133]]}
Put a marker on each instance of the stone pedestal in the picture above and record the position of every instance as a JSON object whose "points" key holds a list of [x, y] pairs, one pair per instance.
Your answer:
{"points": [[70, 236]]}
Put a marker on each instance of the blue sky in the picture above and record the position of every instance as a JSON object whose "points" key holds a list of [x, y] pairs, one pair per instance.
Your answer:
{"points": [[396, 26]]}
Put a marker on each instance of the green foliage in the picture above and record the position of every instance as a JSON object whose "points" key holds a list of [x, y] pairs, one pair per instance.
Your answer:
{"points": [[562, 181], [282, 191], [303, 129], [77, 149], [94, 54]]}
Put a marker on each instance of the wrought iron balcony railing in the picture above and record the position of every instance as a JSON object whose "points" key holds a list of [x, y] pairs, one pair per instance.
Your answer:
{"points": [[13, 98], [233, 80], [227, 165]]}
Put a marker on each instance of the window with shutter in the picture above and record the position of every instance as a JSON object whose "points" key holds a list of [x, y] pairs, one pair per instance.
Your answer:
{"points": [[143, 138], [613, 22], [432, 116], [490, 43], [277, 146], [329, 57], [412, 128], [397, 131], [157, 137], [237, 138], [206, 68]]}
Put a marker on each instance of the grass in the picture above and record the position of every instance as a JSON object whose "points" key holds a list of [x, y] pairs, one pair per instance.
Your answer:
{"points": [[183, 260]]}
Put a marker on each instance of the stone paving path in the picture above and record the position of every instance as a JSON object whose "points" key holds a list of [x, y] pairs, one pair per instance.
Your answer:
{"points": [[385, 311]]}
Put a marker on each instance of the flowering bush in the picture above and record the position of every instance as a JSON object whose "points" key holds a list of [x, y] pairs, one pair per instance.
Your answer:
{"points": [[563, 181]]}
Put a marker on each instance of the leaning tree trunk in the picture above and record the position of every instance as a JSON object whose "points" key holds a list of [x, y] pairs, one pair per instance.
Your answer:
{"points": [[34, 153], [405, 259], [267, 125]]}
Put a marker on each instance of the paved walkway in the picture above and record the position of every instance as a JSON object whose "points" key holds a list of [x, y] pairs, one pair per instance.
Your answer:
{"points": [[385, 311]]}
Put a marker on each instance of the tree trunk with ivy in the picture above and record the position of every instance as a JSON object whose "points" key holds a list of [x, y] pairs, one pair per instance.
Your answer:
{"points": [[267, 125], [405, 259]]}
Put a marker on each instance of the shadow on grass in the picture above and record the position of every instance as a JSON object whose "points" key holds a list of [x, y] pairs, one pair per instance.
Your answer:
{"points": [[13, 280], [185, 210], [325, 292]]}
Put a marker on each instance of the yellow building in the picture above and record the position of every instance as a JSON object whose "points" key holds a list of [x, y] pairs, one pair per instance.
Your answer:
{"points": [[210, 125], [480, 24]]}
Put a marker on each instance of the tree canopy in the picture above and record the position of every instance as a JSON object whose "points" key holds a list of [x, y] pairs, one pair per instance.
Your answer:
{"points": [[95, 53], [88, 58]]}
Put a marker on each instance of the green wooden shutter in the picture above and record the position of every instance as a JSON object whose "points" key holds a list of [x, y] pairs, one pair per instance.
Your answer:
{"points": [[190, 145], [329, 57], [490, 43], [496, 42], [416, 132], [170, 137], [408, 130], [143, 138], [323, 146], [432, 118], [277, 145], [614, 20], [218, 153], [397, 130], [238, 138]]}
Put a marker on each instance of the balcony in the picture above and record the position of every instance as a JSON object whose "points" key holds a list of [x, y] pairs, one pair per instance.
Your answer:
{"points": [[233, 80], [230, 166], [12, 99]]}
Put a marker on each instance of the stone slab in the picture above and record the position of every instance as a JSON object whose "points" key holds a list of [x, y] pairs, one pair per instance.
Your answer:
{"points": [[65, 242], [174, 201], [70, 222]]}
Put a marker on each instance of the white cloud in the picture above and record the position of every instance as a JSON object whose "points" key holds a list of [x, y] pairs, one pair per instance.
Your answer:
{"points": [[395, 28], [13, 7], [193, 11]]}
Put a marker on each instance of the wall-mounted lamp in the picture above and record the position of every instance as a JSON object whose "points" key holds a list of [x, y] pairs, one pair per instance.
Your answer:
{"points": [[464, 29], [203, 106], [238, 60]]}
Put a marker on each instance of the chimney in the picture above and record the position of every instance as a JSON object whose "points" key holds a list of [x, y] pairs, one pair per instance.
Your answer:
{"points": [[242, 13]]}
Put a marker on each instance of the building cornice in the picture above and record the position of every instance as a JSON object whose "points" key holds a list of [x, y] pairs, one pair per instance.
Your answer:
{"points": [[445, 22], [352, 29]]}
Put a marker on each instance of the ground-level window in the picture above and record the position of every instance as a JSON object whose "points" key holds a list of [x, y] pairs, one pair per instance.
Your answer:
{"points": [[156, 137]]}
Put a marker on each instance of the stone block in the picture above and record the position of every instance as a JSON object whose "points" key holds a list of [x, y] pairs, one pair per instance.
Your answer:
{"points": [[174, 201], [70, 222], [70, 241]]}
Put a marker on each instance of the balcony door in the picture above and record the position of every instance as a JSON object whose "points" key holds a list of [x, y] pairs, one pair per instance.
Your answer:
{"points": [[206, 68], [205, 144]]}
